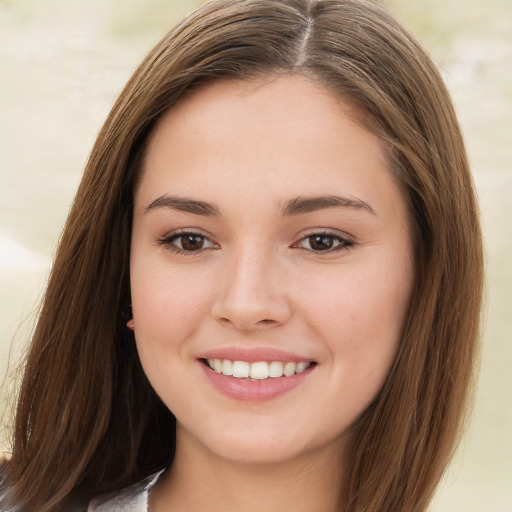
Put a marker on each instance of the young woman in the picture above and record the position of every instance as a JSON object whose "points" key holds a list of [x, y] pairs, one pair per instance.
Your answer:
{"points": [[267, 292]]}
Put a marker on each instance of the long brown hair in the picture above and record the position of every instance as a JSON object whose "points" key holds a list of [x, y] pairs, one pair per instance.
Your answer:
{"points": [[87, 419]]}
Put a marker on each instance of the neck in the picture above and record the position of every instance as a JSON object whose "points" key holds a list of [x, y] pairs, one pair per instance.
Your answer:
{"points": [[200, 481]]}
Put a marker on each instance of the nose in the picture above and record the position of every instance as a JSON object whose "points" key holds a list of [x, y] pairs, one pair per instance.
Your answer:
{"points": [[251, 295]]}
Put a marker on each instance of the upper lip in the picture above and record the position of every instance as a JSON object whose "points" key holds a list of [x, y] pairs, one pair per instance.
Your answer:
{"points": [[253, 354]]}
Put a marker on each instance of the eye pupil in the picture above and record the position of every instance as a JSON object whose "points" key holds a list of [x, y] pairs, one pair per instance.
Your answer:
{"points": [[321, 242], [192, 242]]}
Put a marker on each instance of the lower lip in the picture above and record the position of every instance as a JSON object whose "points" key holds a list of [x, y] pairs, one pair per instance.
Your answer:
{"points": [[257, 390]]}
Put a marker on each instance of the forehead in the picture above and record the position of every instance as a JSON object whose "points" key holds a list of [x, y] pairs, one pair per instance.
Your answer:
{"points": [[285, 135], [288, 99]]}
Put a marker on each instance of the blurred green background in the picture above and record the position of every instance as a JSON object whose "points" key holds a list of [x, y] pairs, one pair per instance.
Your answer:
{"points": [[62, 63]]}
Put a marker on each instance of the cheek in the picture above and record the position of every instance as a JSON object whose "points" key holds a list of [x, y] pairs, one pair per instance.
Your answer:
{"points": [[360, 319], [360, 314], [168, 310], [167, 305]]}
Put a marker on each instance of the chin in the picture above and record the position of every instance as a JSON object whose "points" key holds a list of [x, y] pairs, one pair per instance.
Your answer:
{"points": [[261, 445]]}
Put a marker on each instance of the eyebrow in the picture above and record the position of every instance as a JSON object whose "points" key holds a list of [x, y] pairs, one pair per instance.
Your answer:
{"points": [[302, 205], [297, 206], [184, 204]]}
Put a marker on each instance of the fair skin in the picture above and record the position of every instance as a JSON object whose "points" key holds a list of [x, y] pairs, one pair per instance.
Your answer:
{"points": [[267, 229]]}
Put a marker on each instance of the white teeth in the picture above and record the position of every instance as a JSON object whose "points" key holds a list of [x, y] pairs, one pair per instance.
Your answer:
{"points": [[241, 369], [260, 370], [275, 369], [301, 367], [289, 369], [227, 367]]}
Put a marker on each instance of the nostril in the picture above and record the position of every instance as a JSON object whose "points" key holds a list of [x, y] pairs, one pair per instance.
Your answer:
{"points": [[226, 322]]}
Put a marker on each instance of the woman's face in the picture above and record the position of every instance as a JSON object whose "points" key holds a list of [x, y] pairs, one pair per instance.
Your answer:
{"points": [[270, 241]]}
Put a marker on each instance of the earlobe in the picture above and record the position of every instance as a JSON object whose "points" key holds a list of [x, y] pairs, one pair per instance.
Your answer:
{"points": [[128, 315]]}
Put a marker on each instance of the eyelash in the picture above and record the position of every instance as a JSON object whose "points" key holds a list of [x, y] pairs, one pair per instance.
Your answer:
{"points": [[168, 242], [343, 245]]}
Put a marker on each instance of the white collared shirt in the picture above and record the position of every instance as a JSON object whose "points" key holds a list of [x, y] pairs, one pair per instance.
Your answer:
{"points": [[130, 499]]}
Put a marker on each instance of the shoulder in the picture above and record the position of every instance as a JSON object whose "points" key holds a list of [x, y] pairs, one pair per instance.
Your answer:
{"points": [[130, 499]]}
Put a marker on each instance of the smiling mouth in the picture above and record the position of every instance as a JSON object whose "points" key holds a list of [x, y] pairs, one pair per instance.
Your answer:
{"points": [[257, 371]]}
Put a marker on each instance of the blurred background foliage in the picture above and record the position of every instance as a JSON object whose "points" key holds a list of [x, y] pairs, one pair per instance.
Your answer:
{"points": [[62, 63]]}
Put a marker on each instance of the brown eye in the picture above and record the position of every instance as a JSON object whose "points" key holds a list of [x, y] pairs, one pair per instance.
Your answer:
{"points": [[190, 242], [186, 243], [324, 242], [321, 242]]}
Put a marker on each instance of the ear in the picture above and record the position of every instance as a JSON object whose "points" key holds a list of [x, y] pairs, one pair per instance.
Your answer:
{"points": [[130, 324]]}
